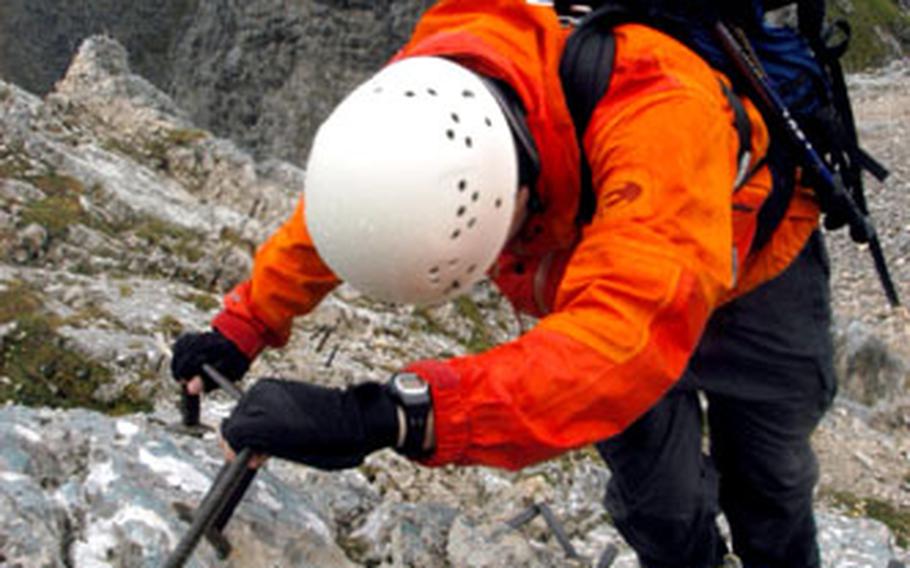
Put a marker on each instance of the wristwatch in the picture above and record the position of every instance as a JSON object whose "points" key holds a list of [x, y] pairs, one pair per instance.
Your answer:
{"points": [[412, 394]]}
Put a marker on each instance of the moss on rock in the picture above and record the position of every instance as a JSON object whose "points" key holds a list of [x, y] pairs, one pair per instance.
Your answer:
{"points": [[55, 213], [171, 238], [480, 339], [896, 518], [203, 302], [38, 368]]}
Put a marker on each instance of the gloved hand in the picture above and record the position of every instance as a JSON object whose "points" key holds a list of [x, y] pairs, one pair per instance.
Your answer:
{"points": [[192, 350], [327, 428]]}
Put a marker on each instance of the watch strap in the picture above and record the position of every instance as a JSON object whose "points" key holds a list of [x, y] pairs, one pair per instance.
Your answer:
{"points": [[416, 405]]}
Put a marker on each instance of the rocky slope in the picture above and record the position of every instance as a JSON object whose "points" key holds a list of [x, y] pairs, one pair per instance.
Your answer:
{"points": [[121, 223]]}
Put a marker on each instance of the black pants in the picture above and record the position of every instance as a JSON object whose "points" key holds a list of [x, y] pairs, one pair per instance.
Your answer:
{"points": [[765, 366]]}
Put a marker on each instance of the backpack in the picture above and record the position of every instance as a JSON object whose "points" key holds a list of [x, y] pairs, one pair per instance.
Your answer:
{"points": [[793, 76]]}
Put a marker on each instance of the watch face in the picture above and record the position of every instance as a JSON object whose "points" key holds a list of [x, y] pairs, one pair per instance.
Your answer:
{"points": [[409, 383]]}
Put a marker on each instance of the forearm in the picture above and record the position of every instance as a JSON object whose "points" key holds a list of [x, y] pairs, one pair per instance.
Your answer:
{"points": [[549, 392], [289, 279]]}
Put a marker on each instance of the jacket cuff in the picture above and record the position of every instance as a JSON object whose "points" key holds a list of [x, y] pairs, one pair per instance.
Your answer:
{"points": [[450, 421], [241, 332]]}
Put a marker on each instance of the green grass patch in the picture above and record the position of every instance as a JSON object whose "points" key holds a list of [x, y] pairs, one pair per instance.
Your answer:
{"points": [[170, 326], [895, 518], [123, 148], [425, 322], [867, 19], [91, 315], [203, 302], [55, 213], [13, 165], [60, 207], [38, 368], [154, 151], [184, 136], [17, 298], [57, 185], [479, 339], [171, 238], [231, 236]]}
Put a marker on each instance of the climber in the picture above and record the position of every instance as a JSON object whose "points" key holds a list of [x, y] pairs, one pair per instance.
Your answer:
{"points": [[458, 160]]}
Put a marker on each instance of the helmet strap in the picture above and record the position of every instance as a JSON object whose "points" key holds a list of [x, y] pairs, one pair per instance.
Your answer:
{"points": [[528, 156]]}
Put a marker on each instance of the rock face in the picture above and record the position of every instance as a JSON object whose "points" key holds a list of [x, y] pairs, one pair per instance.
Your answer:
{"points": [[121, 222], [82, 489], [266, 73], [263, 73], [39, 38]]}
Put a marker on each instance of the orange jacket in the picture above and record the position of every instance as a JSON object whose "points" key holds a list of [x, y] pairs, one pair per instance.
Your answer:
{"points": [[623, 300]]}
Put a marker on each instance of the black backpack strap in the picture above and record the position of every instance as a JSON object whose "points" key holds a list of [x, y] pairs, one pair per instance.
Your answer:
{"points": [[585, 70], [850, 158], [744, 134], [775, 206], [528, 155]]}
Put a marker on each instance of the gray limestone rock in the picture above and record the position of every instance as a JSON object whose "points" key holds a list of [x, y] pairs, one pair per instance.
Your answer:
{"points": [[489, 546], [870, 372], [267, 73], [81, 489]]}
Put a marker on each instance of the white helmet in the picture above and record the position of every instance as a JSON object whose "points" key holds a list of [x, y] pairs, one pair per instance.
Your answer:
{"points": [[411, 183]]}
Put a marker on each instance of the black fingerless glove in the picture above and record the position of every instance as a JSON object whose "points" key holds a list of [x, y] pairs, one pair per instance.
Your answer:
{"points": [[192, 350], [327, 428]]}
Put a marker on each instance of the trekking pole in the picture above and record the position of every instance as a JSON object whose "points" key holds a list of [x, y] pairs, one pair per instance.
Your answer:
{"points": [[552, 522], [225, 485], [861, 227], [222, 498], [234, 498]]}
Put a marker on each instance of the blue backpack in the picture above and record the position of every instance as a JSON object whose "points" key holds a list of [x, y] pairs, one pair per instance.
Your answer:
{"points": [[792, 75]]}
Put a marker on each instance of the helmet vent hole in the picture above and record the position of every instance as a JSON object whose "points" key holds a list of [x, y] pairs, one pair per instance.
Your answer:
{"points": [[456, 233], [453, 262], [432, 92], [472, 222], [475, 196], [455, 118], [409, 93], [467, 93], [462, 184], [472, 268], [468, 142], [450, 134], [488, 122], [434, 270], [455, 285], [498, 202], [461, 211]]}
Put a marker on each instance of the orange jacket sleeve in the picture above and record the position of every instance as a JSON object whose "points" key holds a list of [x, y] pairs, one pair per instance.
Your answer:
{"points": [[635, 296], [289, 279]]}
